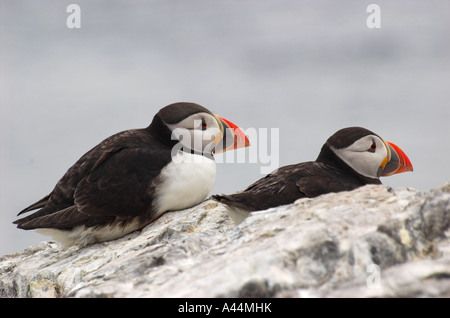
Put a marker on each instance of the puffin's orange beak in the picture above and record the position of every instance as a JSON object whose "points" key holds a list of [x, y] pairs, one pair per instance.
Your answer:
{"points": [[232, 136], [397, 161]]}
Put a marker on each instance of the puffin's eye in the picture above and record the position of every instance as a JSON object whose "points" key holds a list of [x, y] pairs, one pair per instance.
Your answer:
{"points": [[204, 126], [373, 147]]}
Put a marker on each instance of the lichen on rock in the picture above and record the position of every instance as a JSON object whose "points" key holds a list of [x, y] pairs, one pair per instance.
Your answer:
{"points": [[321, 247]]}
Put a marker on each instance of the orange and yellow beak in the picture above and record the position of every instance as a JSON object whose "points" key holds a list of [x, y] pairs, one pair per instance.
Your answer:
{"points": [[396, 161], [232, 137]]}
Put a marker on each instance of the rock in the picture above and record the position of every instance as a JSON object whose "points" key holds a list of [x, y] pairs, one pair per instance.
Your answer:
{"points": [[370, 242]]}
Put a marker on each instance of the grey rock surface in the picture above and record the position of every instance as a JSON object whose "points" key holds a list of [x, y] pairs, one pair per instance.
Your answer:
{"points": [[371, 242]]}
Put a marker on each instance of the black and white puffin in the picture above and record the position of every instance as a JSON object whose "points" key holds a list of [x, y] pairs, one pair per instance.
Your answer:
{"points": [[349, 159], [133, 177]]}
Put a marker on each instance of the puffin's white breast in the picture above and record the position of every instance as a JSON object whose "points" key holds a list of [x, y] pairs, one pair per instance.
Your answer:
{"points": [[185, 182]]}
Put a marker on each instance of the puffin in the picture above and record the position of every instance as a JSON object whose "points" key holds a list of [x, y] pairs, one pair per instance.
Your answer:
{"points": [[352, 157], [131, 178]]}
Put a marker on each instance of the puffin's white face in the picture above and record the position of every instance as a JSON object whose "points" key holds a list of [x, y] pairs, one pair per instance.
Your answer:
{"points": [[368, 155], [199, 132]]}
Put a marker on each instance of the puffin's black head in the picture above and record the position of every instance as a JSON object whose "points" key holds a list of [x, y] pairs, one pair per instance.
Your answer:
{"points": [[365, 152], [176, 112], [197, 129]]}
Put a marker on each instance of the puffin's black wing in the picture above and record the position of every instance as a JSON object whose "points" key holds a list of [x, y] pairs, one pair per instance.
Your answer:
{"points": [[122, 185], [117, 188], [276, 188], [62, 196], [287, 184], [37, 205]]}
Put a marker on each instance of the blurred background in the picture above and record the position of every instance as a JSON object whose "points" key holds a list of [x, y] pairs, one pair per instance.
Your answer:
{"points": [[307, 68]]}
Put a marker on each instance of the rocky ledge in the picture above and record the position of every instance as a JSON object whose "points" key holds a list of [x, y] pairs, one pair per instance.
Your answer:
{"points": [[371, 242]]}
